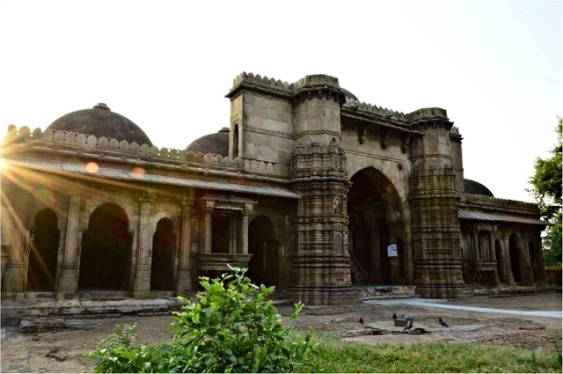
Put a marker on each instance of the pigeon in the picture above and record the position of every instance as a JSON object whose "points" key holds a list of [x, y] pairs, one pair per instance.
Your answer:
{"points": [[394, 316], [409, 325], [442, 322], [407, 317], [361, 320]]}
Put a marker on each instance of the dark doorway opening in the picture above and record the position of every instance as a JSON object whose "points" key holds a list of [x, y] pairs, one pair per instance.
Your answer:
{"points": [[43, 252], [265, 260], [106, 247], [163, 251], [371, 200]]}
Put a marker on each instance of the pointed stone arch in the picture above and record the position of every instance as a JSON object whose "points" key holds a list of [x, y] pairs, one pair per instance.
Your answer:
{"points": [[43, 252], [106, 250], [376, 220]]}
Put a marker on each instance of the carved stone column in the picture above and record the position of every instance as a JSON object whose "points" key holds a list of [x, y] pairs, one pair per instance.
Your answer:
{"points": [[233, 234], [434, 201], [477, 255], [142, 269], [19, 239], [184, 283], [320, 271], [68, 283], [527, 271], [207, 225], [506, 254], [247, 211]]}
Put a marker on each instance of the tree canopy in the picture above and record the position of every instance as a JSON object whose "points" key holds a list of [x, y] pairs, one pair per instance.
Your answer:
{"points": [[546, 189]]}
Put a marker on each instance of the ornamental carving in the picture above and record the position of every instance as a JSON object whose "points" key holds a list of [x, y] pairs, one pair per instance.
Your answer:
{"points": [[338, 248]]}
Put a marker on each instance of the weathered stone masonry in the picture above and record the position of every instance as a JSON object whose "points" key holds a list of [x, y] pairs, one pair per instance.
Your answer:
{"points": [[306, 185]]}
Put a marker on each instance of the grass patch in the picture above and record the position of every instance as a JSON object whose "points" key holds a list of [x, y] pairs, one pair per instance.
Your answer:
{"points": [[333, 355]]}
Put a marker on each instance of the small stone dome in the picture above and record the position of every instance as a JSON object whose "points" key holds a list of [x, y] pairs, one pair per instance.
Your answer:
{"points": [[476, 188], [349, 95], [216, 144], [101, 121]]}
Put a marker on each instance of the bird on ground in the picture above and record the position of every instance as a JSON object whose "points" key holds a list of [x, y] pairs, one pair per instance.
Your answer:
{"points": [[361, 320], [394, 316], [409, 325], [442, 322], [407, 317]]}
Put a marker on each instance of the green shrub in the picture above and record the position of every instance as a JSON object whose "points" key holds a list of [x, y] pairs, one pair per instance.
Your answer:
{"points": [[233, 327]]}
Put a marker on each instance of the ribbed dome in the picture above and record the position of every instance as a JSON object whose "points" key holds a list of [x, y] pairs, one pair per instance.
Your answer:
{"points": [[216, 144], [101, 121], [476, 188]]}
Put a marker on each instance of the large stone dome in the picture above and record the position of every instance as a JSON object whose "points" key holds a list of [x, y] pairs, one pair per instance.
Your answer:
{"points": [[476, 188], [101, 121], [216, 144]]}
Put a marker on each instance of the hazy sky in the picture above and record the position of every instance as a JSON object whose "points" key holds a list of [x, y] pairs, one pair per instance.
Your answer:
{"points": [[496, 66]]}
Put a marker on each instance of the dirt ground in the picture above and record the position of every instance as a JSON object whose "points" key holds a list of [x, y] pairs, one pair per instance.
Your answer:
{"points": [[63, 351]]}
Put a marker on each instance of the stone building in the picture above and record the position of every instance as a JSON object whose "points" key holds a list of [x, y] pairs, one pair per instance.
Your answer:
{"points": [[314, 191]]}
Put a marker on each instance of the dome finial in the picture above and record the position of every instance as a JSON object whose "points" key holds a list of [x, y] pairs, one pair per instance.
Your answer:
{"points": [[102, 106]]}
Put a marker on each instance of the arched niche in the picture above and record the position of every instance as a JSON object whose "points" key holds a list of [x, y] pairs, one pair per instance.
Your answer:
{"points": [[43, 252], [106, 250]]}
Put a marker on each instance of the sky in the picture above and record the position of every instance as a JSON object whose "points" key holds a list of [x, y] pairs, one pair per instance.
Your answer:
{"points": [[495, 66]]}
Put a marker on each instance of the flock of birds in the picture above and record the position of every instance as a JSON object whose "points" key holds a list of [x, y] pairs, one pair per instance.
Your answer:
{"points": [[410, 321]]}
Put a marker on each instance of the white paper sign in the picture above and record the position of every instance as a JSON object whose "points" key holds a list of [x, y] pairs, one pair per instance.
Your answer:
{"points": [[392, 250]]}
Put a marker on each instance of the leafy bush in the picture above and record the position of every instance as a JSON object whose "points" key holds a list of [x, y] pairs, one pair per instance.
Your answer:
{"points": [[233, 327]]}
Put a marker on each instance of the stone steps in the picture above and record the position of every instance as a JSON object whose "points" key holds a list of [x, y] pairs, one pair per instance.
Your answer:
{"points": [[385, 292]]}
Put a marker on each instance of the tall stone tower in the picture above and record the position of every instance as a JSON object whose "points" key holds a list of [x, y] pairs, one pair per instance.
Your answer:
{"points": [[434, 202], [320, 272]]}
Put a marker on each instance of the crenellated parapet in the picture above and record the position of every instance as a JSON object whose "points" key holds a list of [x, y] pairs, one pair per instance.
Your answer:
{"points": [[493, 203], [318, 85], [263, 81], [373, 110], [84, 143]]}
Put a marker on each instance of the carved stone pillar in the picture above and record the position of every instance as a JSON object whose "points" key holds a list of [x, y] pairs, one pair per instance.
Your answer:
{"points": [[207, 225], [506, 254], [527, 271], [320, 270], [477, 248], [233, 235], [19, 238], [184, 283], [68, 283], [247, 210], [435, 225], [142, 269]]}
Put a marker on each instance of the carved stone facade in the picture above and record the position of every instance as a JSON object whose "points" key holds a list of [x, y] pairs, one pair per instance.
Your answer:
{"points": [[316, 193]]}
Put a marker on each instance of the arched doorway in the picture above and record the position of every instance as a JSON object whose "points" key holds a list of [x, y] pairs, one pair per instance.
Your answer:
{"points": [[500, 261], [375, 223], [163, 250], [43, 252], [264, 263], [106, 249], [514, 259]]}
